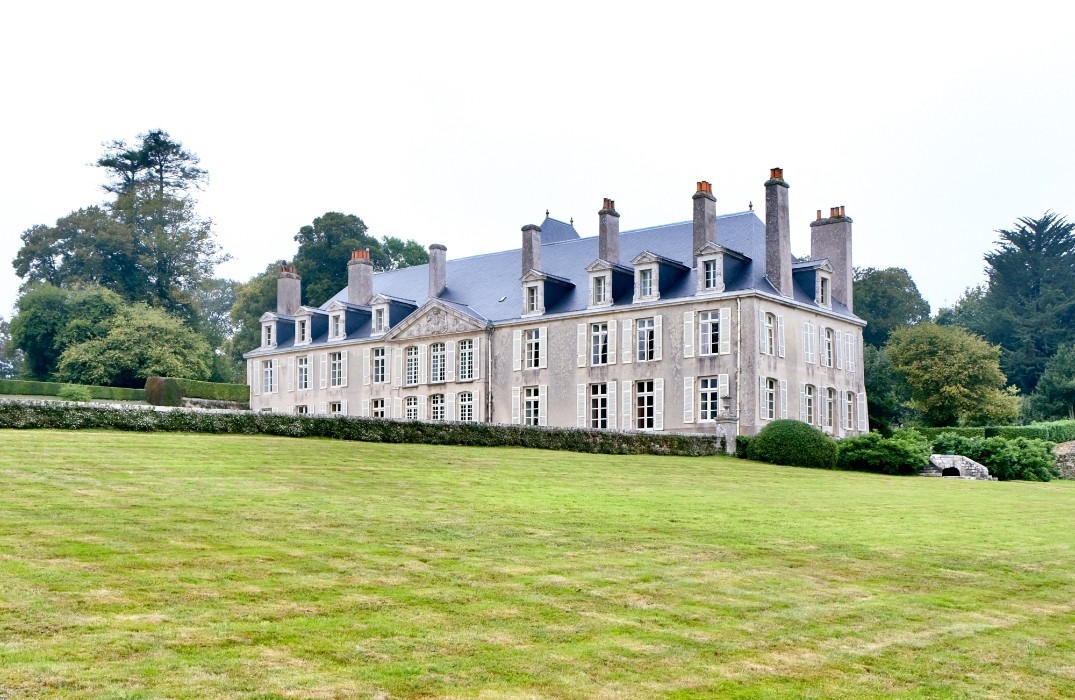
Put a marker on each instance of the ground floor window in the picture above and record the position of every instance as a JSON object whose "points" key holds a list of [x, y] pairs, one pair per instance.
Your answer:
{"points": [[377, 409], [768, 400], [531, 405], [849, 411], [709, 396], [599, 406], [302, 409], [466, 407], [410, 405], [436, 407], [644, 405], [335, 408]]}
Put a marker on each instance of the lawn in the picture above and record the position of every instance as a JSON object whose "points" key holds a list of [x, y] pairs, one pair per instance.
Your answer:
{"points": [[192, 566]]}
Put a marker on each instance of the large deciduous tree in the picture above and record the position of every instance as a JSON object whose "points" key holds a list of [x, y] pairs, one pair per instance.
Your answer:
{"points": [[887, 299], [954, 378]]}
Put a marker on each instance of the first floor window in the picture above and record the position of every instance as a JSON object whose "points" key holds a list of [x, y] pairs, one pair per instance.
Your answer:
{"points": [[302, 409], [412, 367], [466, 407], [709, 332], [302, 372], [531, 405], [646, 339], [849, 411], [411, 406], [436, 407], [532, 354], [377, 409], [335, 408], [644, 404], [466, 360], [827, 343], [436, 362], [769, 341], [337, 369], [709, 394], [379, 363], [598, 344], [768, 400], [268, 371], [599, 406]]}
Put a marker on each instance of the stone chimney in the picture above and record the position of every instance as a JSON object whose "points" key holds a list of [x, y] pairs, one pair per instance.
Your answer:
{"points": [[831, 238], [608, 233], [705, 216], [531, 248], [777, 233], [437, 275], [359, 278], [288, 291]]}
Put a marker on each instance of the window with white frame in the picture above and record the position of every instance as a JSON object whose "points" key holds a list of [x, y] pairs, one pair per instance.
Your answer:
{"points": [[302, 372], [436, 407], [410, 405], [268, 375], [532, 350], [411, 355], [809, 404], [532, 304], [267, 334], [380, 365], [466, 407], [437, 359], [645, 405], [828, 343], [709, 396], [600, 290], [829, 407], [646, 283], [768, 400], [646, 339], [711, 275], [531, 405], [377, 409], [302, 330], [302, 409], [598, 344], [849, 410], [823, 290], [337, 364], [466, 361], [336, 326], [335, 408], [769, 340], [380, 319], [709, 332], [599, 406]]}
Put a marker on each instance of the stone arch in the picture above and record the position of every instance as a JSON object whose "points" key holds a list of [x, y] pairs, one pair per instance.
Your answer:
{"points": [[950, 471]]}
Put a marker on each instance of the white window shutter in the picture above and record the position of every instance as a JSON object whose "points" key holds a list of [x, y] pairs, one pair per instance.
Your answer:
{"points": [[688, 334], [422, 407], [365, 366], [288, 369], [449, 361], [762, 411], [658, 403], [852, 351], [397, 408], [612, 424], [722, 387], [365, 408], [582, 345], [808, 342], [423, 358], [802, 403], [761, 333], [628, 346], [324, 370], [258, 379], [449, 406], [343, 367], [839, 350], [343, 408], [543, 347], [658, 334], [249, 373], [397, 367], [517, 350], [612, 342], [780, 335], [725, 331], [626, 392], [864, 423], [515, 408], [783, 398], [477, 374], [580, 406], [688, 399], [322, 408], [543, 391]]}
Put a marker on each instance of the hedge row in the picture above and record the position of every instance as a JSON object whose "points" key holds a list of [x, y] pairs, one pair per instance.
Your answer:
{"points": [[214, 391], [970, 432], [1055, 431], [28, 388], [22, 414]]}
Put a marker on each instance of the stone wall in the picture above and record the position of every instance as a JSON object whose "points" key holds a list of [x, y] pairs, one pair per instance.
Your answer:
{"points": [[965, 467], [1065, 459]]}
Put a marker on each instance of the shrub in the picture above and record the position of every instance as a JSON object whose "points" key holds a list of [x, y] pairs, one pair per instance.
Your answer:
{"points": [[164, 391], [75, 392], [964, 431], [793, 443], [906, 452], [1022, 458], [28, 388], [742, 446], [215, 391]]}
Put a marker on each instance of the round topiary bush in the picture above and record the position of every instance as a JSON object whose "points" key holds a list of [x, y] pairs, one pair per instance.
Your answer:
{"points": [[793, 443]]}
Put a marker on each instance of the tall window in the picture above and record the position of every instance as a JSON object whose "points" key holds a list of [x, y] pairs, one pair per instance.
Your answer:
{"points": [[599, 406], [600, 290], [532, 299], [644, 404], [824, 292], [267, 332], [830, 403], [380, 361], [302, 372], [466, 407], [531, 405], [436, 362], [827, 348], [533, 349], [768, 400], [336, 326], [809, 400], [849, 411], [337, 371], [645, 282], [709, 393], [377, 409], [268, 372], [709, 332], [710, 274], [646, 339], [412, 365], [598, 343], [466, 360], [770, 335], [379, 320], [436, 407], [303, 327], [410, 405]]}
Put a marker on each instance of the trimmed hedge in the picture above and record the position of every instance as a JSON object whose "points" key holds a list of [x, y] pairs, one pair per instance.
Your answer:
{"points": [[793, 443], [28, 388], [55, 415], [1055, 431], [214, 391], [970, 432]]}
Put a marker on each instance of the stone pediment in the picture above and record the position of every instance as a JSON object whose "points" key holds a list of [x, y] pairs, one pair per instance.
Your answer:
{"points": [[435, 318]]}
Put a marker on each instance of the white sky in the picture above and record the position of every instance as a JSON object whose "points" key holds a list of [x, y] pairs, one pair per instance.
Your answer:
{"points": [[458, 123]]}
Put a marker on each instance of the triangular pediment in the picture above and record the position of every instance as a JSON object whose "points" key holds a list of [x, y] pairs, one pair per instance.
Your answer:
{"points": [[534, 276], [825, 267], [711, 248], [645, 257], [435, 318]]}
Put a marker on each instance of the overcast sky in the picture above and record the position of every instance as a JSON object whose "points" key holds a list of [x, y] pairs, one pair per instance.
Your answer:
{"points": [[458, 123]]}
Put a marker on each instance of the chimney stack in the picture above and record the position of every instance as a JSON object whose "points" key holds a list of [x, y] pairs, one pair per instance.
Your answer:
{"points": [[705, 216], [288, 291], [831, 239], [531, 248], [777, 233], [437, 274], [608, 233], [359, 278]]}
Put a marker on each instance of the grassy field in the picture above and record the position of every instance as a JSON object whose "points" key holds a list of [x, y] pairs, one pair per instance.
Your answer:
{"points": [[189, 566]]}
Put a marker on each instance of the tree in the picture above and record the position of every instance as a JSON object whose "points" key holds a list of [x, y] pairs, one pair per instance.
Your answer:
{"points": [[887, 299], [10, 356], [953, 377], [142, 342], [1054, 396], [252, 299], [157, 161], [886, 393]]}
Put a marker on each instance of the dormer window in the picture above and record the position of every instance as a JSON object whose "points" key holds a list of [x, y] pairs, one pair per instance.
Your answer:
{"points": [[268, 335], [380, 320], [533, 294], [302, 331], [823, 290], [599, 296], [710, 275], [645, 283], [709, 267], [532, 299], [336, 326]]}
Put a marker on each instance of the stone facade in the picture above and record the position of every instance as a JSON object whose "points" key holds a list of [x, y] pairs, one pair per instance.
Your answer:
{"points": [[1065, 459]]}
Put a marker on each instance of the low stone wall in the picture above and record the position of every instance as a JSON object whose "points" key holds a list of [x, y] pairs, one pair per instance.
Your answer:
{"points": [[1065, 459], [964, 468]]}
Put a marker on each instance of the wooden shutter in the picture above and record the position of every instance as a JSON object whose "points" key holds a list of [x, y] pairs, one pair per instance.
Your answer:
{"points": [[449, 361], [290, 371], [626, 392], [762, 413], [612, 424], [725, 331], [258, 379], [543, 391], [780, 336], [422, 407], [658, 335], [582, 345], [516, 412], [476, 373], [802, 403], [783, 398], [397, 408], [423, 359], [627, 351], [838, 342], [343, 367], [612, 342], [543, 347], [517, 350], [658, 404], [397, 367], [761, 333], [365, 366], [864, 423], [580, 405], [852, 351], [722, 387], [343, 408], [688, 399], [688, 334], [322, 408], [365, 408], [808, 342], [324, 370], [449, 406]]}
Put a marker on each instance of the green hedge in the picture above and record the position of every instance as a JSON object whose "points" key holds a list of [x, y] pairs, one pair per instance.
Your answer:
{"points": [[28, 388], [23, 414], [934, 433], [1055, 431], [214, 391], [793, 443], [906, 452], [1027, 459]]}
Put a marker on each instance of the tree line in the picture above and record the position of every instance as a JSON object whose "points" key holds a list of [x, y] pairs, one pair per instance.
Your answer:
{"points": [[125, 288]]}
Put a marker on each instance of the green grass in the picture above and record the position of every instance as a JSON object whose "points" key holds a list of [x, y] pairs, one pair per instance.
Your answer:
{"points": [[192, 566]]}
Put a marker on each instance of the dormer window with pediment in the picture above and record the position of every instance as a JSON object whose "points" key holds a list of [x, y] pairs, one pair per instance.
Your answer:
{"points": [[337, 328], [303, 333], [268, 334], [532, 305], [647, 277], [824, 290], [709, 263], [380, 319]]}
